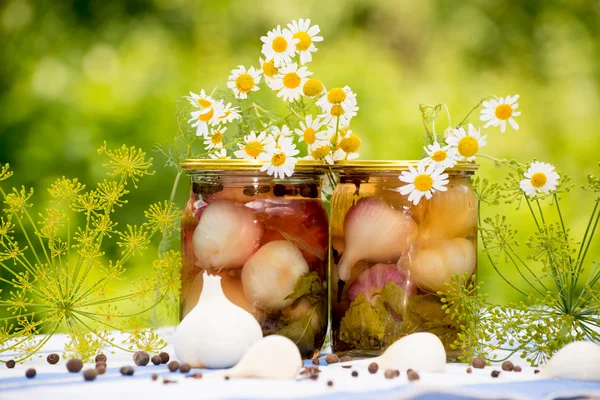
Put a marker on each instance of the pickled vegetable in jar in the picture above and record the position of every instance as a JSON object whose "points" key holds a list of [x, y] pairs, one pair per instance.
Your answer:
{"points": [[268, 240], [390, 258]]}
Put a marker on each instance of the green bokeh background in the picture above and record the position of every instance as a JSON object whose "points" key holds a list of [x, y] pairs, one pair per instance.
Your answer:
{"points": [[76, 73]]}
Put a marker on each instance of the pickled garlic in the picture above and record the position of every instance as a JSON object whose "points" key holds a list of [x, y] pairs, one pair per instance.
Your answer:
{"points": [[433, 267], [216, 333], [371, 282], [226, 236]]}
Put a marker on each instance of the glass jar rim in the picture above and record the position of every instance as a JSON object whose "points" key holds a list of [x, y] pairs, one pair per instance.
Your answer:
{"points": [[349, 166], [194, 164]]}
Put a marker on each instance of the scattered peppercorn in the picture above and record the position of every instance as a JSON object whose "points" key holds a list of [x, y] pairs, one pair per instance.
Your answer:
{"points": [[10, 364], [346, 358], [100, 364], [279, 190], [100, 358], [332, 358], [52, 358], [196, 375], [397, 372], [373, 368], [90, 374], [537, 371], [227, 378], [154, 377], [167, 381], [141, 358], [156, 360], [185, 368], [412, 375], [355, 373], [127, 370], [390, 374], [173, 366], [507, 366], [478, 362], [495, 373], [329, 383], [249, 191], [517, 369], [30, 373], [346, 366], [264, 189], [315, 361], [164, 356], [101, 369], [469, 370], [74, 365]]}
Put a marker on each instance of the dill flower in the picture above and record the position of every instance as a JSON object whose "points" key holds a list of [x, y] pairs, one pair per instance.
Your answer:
{"points": [[126, 162], [498, 112], [540, 177], [307, 36]]}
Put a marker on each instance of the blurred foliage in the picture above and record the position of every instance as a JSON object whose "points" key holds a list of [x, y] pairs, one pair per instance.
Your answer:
{"points": [[74, 73]]}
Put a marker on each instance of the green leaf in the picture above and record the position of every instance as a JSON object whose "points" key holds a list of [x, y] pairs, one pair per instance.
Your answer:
{"points": [[361, 326], [309, 285], [300, 331]]}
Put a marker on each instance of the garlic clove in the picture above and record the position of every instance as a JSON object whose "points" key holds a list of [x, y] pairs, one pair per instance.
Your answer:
{"points": [[268, 277], [215, 333], [433, 267], [226, 236], [372, 281], [577, 361], [374, 232], [273, 357]]}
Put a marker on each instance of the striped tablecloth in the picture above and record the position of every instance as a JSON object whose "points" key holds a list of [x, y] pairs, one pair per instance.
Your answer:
{"points": [[55, 382]]}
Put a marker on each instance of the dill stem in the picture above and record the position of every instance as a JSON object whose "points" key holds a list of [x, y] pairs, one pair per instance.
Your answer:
{"points": [[466, 118], [589, 242], [102, 338], [39, 345], [523, 275], [529, 269], [533, 213], [562, 223]]}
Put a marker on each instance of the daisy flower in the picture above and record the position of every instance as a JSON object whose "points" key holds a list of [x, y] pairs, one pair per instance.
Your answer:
{"points": [[201, 100], [289, 81], [446, 156], [467, 144], [269, 71], [313, 87], [277, 133], [230, 114], [201, 119], [220, 155], [243, 82], [423, 181], [280, 160], [214, 140], [309, 130], [252, 147], [541, 177], [497, 112], [338, 103], [307, 36], [348, 147], [280, 46], [320, 150]]}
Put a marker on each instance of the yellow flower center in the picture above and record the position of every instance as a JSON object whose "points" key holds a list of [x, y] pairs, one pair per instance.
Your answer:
{"points": [[207, 116], [291, 80], [309, 135], [337, 111], [423, 182], [468, 146], [350, 144], [244, 83], [279, 44], [253, 149], [269, 68], [504, 111], [278, 159], [538, 180], [336, 95], [439, 156], [312, 87], [204, 103], [222, 157], [226, 114], [320, 152], [217, 137], [305, 41]]}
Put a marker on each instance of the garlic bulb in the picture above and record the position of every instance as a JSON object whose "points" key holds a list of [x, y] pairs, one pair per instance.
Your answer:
{"points": [[374, 232], [422, 351], [226, 236], [433, 267], [268, 277], [216, 333], [274, 357], [371, 282], [577, 361]]}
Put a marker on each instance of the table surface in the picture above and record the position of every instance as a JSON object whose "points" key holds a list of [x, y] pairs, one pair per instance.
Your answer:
{"points": [[54, 382]]}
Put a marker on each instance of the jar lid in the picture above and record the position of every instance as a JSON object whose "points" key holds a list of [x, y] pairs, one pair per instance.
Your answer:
{"points": [[393, 165], [194, 164]]}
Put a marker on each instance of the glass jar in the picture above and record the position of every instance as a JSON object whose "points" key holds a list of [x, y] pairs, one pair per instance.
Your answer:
{"points": [[390, 257], [268, 240]]}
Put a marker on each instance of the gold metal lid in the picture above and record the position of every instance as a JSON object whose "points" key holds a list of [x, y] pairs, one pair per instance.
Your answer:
{"points": [[245, 165], [393, 165]]}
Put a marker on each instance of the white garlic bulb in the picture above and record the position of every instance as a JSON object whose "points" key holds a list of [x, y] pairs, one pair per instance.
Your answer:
{"points": [[577, 361], [274, 357], [216, 333]]}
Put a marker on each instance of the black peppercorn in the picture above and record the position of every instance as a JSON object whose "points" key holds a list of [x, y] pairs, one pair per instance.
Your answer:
{"points": [[517, 369], [90, 374], [469, 370], [478, 362], [10, 364], [30, 373], [390, 374], [173, 366], [185, 368], [508, 366], [156, 360], [332, 358], [127, 370], [315, 361], [227, 378], [164, 356], [52, 358], [74, 365], [196, 375], [373, 368], [100, 364], [279, 190], [100, 358], [329, 383], [141, 358], [412, 375], [537, 371], [249, 191], [154, 377], [309, 191], [355, 373], [347, 366], [100, 369], [346, 358], [495, 373], [264, 189]]}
